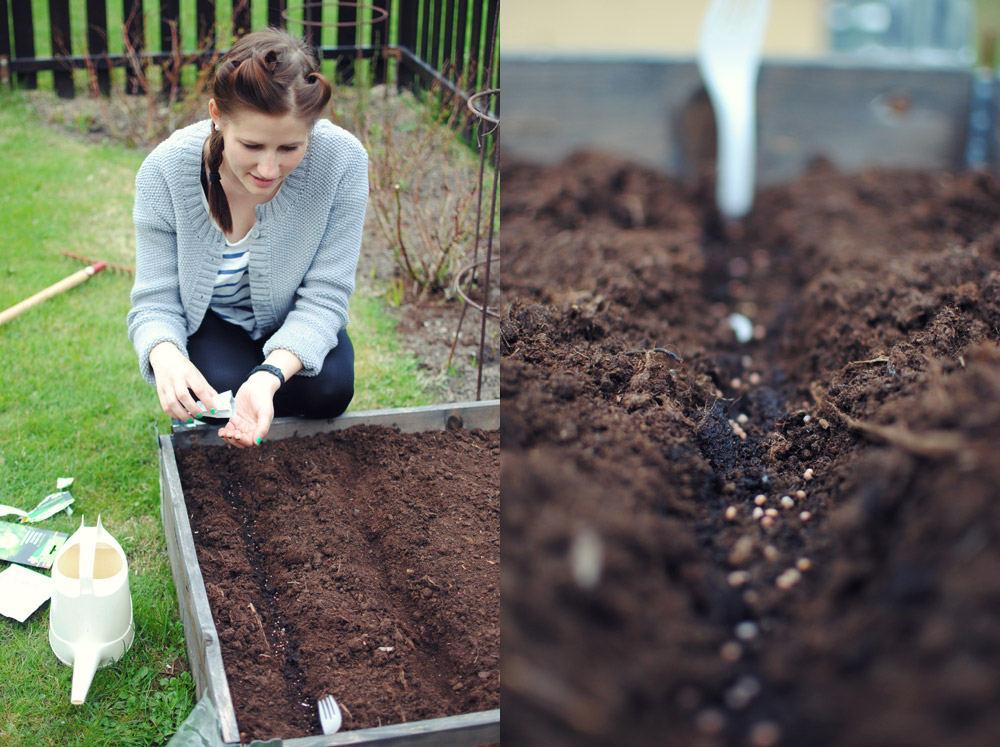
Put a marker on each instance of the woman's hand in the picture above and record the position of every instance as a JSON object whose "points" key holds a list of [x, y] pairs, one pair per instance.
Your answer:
{"points": [[254, 411], [176, 378]]}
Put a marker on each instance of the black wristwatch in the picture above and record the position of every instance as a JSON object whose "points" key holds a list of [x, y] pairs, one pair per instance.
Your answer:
{"points": [[271, 370]]}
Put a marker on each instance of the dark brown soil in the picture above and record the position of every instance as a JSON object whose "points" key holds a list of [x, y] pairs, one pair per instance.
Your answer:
{"points": [[643, 603], [362, 563]]}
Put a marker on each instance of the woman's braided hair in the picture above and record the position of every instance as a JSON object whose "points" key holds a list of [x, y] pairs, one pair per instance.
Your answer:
{"points": [[267, 72]]}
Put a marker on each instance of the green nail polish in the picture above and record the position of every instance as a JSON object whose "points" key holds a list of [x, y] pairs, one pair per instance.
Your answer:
{"points": [[198, 415], [258, 440], [189, 420], [237, 438], [213, 411]]}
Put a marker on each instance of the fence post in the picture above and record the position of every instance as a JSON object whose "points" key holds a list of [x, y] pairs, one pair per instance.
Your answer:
{"points": [[312, 17], [24, 39], [406, 37], [97, 44], [478, 81], [170, 41], [446, 58], [205, 13], [62, 46], [461, 34], [347, 36], [241, 17], [380, 39], [432, 32], [274, 10], [135, 45], [4, 44], [492, 29]]}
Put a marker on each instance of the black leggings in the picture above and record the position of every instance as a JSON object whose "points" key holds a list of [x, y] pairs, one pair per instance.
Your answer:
{"points": [[225, 355]]}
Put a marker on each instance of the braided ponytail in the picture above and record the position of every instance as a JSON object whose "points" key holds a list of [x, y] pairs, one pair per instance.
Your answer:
{"points": [[217, 202]]}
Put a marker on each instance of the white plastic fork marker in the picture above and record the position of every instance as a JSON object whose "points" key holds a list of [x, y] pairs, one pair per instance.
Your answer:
{"points": [[729, 50], [330, 718]]}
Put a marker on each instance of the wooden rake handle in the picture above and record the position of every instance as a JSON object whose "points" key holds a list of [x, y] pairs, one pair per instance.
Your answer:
{"points": [[65, 284]]}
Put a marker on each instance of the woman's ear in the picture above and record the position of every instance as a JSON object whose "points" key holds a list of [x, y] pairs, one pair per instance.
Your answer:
{"points": [[213, 112]]}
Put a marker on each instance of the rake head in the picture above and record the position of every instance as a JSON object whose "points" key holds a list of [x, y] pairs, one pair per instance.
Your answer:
{"points": [[107, 265]]}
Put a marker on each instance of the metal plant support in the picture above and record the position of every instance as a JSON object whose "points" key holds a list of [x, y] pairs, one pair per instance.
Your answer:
{"points": [[312, 23], [488, 139], [488, 132], [378, 15]]}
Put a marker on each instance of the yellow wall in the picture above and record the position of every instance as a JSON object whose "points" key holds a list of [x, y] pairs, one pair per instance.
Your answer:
{"points": [[645, 27]]}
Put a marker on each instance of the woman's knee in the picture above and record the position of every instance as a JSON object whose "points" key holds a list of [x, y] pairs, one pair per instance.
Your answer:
{"points": [[335, 382], [337, 400], [320, 396]]}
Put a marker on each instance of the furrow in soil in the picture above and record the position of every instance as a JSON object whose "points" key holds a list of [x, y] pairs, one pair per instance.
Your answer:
{"points": [[362, 564], [781, 531]]}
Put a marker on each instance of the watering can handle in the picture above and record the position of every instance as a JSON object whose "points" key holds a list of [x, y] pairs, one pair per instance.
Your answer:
{"points": [[88, 551]]}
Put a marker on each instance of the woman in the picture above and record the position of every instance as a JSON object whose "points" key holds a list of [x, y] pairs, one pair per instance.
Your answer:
{"points": [[248, 228]]}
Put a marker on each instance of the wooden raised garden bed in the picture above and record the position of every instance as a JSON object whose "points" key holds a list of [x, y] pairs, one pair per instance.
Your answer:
{"points": [[357, 557]]}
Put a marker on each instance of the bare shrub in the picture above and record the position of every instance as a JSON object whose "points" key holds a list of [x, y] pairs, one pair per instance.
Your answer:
{"points": [[425, 212]]}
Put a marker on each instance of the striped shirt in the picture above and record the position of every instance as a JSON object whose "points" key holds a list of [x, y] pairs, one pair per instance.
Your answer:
{"points": [[231, 296]]}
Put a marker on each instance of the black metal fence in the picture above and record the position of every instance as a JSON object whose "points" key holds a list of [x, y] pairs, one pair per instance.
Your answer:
{"points": [[449, 42]]}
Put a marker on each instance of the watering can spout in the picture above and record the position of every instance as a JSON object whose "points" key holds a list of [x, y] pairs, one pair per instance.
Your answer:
{"points": [[84, 665]]}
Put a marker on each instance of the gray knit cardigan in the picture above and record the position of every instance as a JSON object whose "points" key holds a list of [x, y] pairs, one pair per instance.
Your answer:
{"points": [[303, 251]]}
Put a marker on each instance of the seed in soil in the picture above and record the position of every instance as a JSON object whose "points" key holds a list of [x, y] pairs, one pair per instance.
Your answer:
{"points": [[788, 578], [586, 559], [744, 690], [765, 734], [738, 578], [747, 630], [731, 651], [710, 721]]}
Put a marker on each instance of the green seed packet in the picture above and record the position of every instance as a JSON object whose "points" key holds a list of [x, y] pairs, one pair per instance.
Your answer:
{"points": [[28, 545], [50, 505]]}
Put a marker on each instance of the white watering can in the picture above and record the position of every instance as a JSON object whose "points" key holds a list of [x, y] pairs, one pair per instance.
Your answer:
{"points": [[90, 618]]}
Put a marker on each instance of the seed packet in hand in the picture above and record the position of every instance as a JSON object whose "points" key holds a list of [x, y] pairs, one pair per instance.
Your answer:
{"points": [[223, 403]]}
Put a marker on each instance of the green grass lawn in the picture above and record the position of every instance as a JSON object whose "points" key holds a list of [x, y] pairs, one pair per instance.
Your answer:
{"points": [[72, 404]]}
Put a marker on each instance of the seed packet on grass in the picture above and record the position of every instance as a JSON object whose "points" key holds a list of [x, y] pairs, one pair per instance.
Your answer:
{"points": [[29, 545], [22, 592]]}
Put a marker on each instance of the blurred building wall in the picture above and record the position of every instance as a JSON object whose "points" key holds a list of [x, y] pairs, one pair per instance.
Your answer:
{"points": [[655, 28]]}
